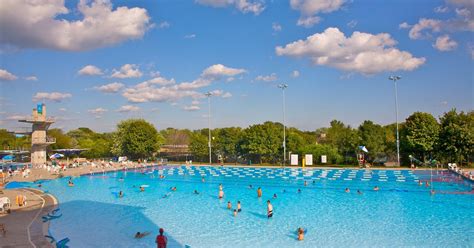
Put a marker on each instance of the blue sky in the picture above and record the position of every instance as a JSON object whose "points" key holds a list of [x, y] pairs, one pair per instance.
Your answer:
{"points": [[95, 63]]}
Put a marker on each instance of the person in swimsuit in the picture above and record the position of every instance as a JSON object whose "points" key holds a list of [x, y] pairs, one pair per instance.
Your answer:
{"points": [[196, 192], [347, 190], [239, 208], [300, 232], [235, 212], [161, 240], [120, 194], [142, 189], [274, 196], [229, 205], [259, 192], [269, 209], [140, 235], [376, 188]]}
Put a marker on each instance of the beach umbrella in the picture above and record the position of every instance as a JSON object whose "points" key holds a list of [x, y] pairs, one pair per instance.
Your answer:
{"points": [[56, 156], [8, 158], [363, 148]]}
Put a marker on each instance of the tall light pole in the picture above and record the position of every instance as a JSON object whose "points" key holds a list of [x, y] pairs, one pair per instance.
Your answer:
{"points": [[394, 79], [209, 94], [283, 87]]}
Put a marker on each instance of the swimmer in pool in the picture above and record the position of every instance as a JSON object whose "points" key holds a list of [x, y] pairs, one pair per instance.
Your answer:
{"points": [[221, 194], [162, 177], [314, 181], [376, 188], [196, 192], [70, 183], [203, 180], [269, 209], [347, 190], [299, 190], [121, 179], [235, 212], [140, 235], [274, 196], [142, 189], [359, 192], [229, 205], [250, 186], [220, 187], [173, 188], [239, 208], [120, 194], [420, 183], [305, 183], [259, 192], [300, 232]]}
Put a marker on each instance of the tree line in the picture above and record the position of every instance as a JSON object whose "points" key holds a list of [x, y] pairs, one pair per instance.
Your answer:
{"points": [[422, 137]]}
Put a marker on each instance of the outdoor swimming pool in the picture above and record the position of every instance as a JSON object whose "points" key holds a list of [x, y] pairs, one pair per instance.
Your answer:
{"points": [[402, 213]]}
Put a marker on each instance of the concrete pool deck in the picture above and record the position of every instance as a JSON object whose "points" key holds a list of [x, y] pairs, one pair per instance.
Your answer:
{"points": [[24, 226]]}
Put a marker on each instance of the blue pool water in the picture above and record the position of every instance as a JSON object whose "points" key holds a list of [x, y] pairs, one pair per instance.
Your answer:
{"points": [[402, 213]]}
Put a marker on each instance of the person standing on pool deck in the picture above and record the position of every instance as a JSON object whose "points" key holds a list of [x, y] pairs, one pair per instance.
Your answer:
{"points": [[269, 209], [259, 192], [161, 239]]}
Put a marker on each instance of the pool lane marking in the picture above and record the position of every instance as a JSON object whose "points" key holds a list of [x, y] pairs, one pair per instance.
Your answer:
{"points": [[36, 216]]}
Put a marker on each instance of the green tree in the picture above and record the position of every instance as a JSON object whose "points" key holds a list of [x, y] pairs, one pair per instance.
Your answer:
{"points": [[456, 137], [295, 140], [344, 138], [421, 134], [136, 138], [372, 136], [263, 142], [7, 140], [63, 141], [97, 145], [198, 146], [226, 142]]}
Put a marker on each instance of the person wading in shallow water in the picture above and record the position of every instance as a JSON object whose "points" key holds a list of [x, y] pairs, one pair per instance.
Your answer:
{"points": [[161, 240]]}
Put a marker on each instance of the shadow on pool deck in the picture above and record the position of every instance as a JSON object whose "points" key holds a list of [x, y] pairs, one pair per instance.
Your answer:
{"points": [[97, 224]]}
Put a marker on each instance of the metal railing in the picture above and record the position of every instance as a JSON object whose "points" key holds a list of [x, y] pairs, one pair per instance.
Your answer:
{"points": [[43, 140]]}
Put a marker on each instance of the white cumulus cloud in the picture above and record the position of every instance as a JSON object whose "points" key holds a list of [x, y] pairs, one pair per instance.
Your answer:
{"points": [[6, 75], [444, 43], [90, 70], [295, 74], [276, 27], [35, 24], [110, 88], [164, 24], [191, 108], [127, 71], [31, 78], [309, 10], [218, 70], [128, 108], [441, 9], [97, 112], [362, 52], [267, 78], [164, 90], [51, 96], [245, 6]]}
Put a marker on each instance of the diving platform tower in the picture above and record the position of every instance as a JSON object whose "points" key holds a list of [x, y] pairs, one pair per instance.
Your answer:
{"points": [[39, 140]]}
